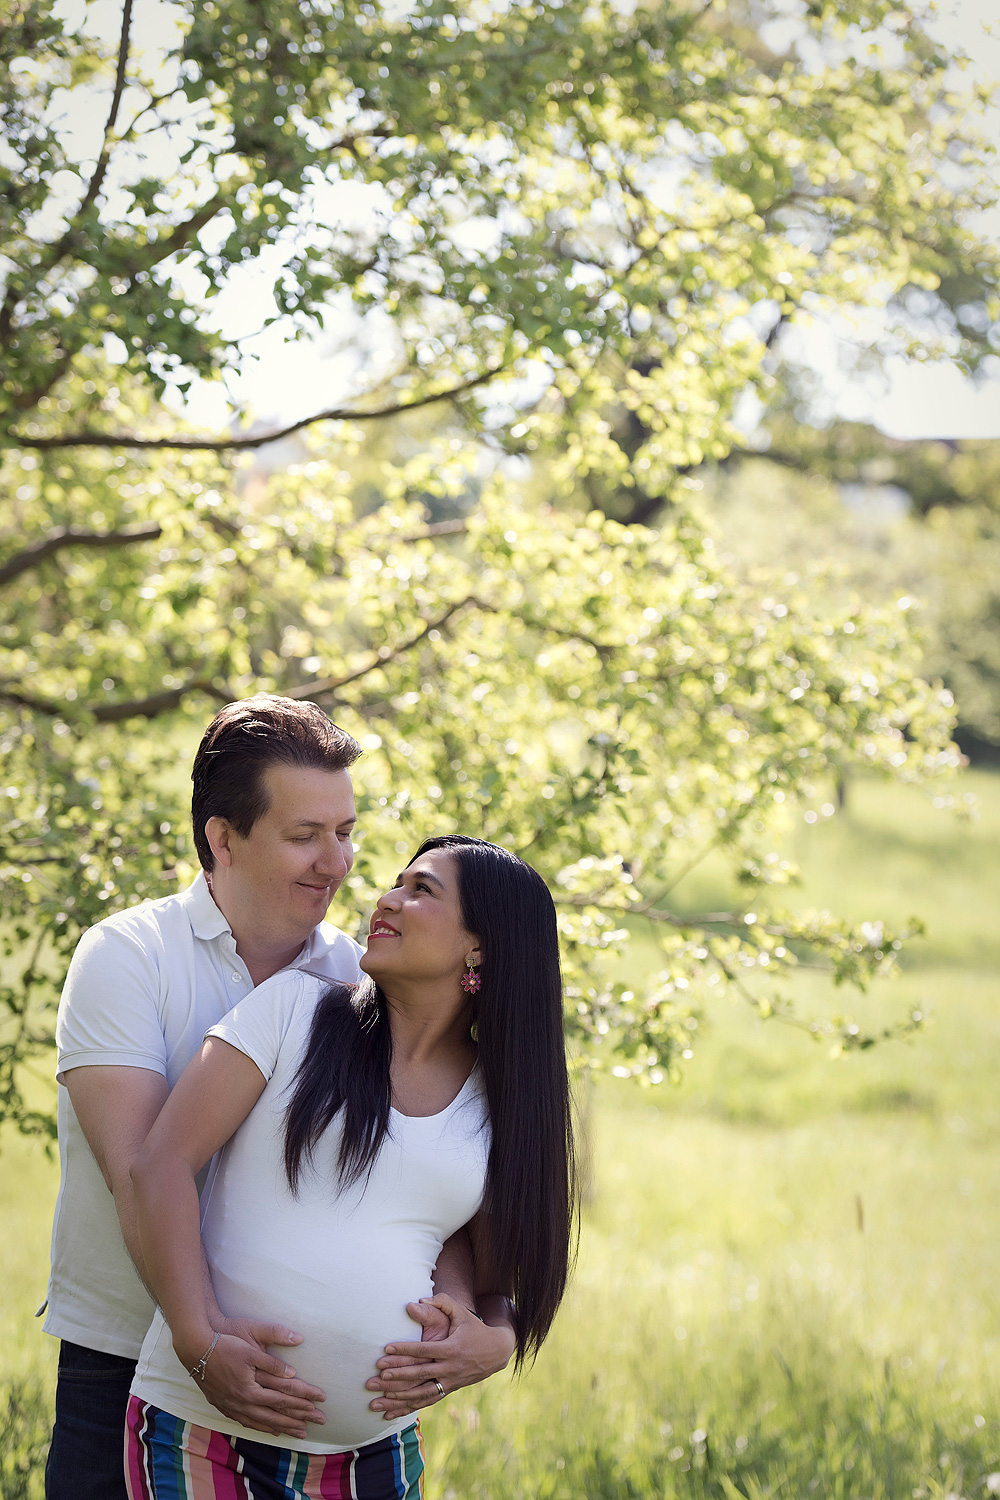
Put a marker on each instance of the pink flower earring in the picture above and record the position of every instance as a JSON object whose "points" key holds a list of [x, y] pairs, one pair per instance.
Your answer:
{"points": [[471, 981]]}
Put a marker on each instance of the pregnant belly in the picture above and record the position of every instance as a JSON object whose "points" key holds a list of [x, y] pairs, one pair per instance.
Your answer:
{"points": [[347, 1309]]}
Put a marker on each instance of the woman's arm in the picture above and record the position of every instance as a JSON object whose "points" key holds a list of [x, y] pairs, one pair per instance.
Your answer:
{"points": [[210, 1101]]}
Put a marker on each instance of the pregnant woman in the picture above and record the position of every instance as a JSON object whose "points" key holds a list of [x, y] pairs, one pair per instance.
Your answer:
{"points": [[358, 1129]]}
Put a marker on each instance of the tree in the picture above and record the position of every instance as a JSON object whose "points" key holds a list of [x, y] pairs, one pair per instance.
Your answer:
{"points": [[611, 702], [922, 521], [570, 212], [633, 203]]}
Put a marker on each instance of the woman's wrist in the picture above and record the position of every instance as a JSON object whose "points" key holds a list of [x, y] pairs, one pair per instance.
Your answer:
{"points": [[191, 1344], [495, 1311], [197, 1370]]}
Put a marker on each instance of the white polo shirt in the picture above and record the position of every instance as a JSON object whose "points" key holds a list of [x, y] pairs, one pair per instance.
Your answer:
{"points": [[143, 988]]}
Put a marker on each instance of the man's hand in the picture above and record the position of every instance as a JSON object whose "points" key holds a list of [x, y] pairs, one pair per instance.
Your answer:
{"points": [[255, 1388], [464, 1353]]}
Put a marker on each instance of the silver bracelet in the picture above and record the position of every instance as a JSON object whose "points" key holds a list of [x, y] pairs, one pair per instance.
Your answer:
{"points": [[198, 1370]]}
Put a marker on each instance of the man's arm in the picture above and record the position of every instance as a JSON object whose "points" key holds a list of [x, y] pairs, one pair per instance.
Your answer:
{"points": [[466, 1337], [116, 1108], [464, 1268]]}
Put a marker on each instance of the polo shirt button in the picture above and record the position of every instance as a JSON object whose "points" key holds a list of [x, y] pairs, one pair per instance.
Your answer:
{"points": [[237, 977]]}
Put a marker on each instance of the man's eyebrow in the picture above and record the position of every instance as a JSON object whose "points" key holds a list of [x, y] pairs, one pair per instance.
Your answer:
{"points": [[318, 823]]}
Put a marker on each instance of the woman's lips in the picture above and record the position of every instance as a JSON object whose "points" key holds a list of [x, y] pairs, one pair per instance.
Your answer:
{"points": [[382, 929]]}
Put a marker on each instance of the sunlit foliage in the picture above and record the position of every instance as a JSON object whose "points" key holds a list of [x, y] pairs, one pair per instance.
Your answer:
{"points": [[585, 225]]}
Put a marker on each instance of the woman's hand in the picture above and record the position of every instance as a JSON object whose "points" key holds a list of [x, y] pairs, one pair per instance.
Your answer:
{"points": [[459, 1354], [255, 1388]]}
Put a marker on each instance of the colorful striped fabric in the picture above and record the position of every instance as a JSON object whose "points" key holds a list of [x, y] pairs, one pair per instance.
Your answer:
{"points": [[167, 1459]]}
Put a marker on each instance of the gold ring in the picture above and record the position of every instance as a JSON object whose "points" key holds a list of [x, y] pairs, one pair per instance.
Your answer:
{"points": [[440, 1387]]}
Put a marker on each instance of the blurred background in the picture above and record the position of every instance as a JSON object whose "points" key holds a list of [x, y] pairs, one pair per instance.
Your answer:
{"points": [[596, 408]]}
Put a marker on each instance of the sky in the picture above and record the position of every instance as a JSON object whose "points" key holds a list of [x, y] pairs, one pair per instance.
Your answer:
{"points": [[937, 400]]}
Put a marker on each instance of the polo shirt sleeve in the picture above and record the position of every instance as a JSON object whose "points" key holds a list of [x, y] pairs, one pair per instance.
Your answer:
{"points": [[348, 968], [335, 956], [109, 1012], [259, 1024]]}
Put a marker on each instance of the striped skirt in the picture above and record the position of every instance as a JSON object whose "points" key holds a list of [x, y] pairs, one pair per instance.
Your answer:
{"points": [[167, 1459]]}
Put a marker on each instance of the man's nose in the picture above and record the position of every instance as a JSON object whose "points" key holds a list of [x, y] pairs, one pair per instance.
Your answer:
{"points": [[335, 858]]}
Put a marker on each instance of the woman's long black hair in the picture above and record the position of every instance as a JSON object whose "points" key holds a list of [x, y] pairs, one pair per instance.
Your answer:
{"points": [[530, 1196]]}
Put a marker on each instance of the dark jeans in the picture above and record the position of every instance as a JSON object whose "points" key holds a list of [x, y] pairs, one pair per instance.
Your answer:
{"points": [[85, 1459]]}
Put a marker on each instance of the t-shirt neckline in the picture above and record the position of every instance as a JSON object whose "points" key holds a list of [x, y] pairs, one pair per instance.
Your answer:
{"points": [[448, 1107]]}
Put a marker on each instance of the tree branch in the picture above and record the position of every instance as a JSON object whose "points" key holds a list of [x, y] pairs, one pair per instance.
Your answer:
{"points": [[88, 439], [155, 251], [56, 368], [59, 249], [170, 698], [68, 536], [695, 919], [646, 506], [96, 182], [385, 654], [115, 713], [437, 528]]}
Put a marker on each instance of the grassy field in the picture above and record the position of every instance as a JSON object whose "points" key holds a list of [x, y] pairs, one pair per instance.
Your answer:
{"points": [[788, 1281]]}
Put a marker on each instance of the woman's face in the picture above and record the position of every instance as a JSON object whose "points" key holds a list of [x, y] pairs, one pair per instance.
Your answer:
{"points": [[416, 931]]}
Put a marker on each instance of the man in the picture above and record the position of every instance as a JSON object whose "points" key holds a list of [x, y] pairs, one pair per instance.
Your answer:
{"points": [[273, 813]]}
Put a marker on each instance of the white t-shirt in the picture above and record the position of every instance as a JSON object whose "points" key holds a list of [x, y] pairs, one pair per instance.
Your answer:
{"points": [[143, 988], [336, 1265]]}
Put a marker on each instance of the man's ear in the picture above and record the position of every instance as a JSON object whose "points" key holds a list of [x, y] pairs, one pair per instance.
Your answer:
{"points": [[219, 835]]}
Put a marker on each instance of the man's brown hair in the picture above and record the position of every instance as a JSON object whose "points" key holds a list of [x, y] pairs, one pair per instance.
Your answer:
{"points": [[241, 742]]}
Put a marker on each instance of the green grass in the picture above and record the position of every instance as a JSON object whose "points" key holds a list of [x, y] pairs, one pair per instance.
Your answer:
{"points": [[28, 1360], [789, 1278]]}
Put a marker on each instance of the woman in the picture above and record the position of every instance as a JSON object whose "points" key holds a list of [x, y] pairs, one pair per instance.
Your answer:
{"points": [[360, 1129]]}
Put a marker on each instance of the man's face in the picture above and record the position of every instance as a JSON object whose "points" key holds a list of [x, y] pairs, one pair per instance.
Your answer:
{"points": [[283, 875]]}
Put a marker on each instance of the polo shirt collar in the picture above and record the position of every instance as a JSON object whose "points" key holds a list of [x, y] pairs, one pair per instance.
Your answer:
{"points": [[314, 943], [206, 919], [208, 922]]}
